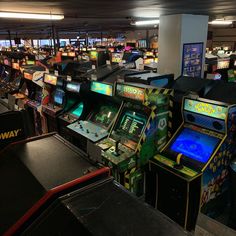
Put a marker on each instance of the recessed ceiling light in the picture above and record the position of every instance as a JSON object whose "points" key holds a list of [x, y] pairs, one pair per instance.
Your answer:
{"points": [[37, 16], [147, 22], [221, 22]]}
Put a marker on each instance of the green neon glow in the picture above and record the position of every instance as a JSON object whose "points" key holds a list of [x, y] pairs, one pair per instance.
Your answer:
{"points": [[78, 110]]}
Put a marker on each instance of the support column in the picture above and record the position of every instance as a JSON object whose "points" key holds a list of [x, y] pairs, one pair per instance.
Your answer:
{"points": [[182, 44]]}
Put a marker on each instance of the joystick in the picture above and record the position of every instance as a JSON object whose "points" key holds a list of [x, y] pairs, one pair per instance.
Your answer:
{"points": [[178, 165], [116, 151]]}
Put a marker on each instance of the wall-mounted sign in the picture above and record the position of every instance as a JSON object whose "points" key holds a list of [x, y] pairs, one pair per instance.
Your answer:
{"points": [[192, 59]]}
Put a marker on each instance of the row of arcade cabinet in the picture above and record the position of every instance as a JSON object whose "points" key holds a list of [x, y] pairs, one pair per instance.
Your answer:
{"points": [[126, 126], [81, 199]]}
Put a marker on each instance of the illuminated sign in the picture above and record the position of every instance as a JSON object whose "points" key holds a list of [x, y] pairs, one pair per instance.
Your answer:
{"points": [[207, 109], [131, 92], [93, 55], [28, 76], [9, 134], [117, 57], [15, 66], [50, 79], [6, 62], [73, 87], [28, 62], [71, 54], [223, 64], [101, 88]]}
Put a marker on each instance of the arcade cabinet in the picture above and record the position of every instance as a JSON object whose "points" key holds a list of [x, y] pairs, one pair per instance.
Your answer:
{"points": [[150, 78], [99, 57], [191, 171], [54, 100], [140, 130], [99, 121], [184, 85], [73, 68], [104, 208], [38, 171], [223, 67], [76, 106], [15, 126], [35, 86], [102, 72], [222, 91]]}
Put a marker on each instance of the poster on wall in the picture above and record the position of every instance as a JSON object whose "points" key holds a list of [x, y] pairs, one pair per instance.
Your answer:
{"points": [[192, 59]]}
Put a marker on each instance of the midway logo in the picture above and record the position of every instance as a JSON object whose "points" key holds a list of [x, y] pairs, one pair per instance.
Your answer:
{"points": [[10, 134]]}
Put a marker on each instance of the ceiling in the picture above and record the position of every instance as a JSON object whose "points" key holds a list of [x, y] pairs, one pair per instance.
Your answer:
{"points": [[104, 15]]}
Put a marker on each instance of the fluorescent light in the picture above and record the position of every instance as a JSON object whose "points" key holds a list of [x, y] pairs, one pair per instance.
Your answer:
{"points": [[147, 22], [37, 16], [221, 22]]}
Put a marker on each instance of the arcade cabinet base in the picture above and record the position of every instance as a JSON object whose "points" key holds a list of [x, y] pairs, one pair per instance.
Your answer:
{"points": [[102, 209]]}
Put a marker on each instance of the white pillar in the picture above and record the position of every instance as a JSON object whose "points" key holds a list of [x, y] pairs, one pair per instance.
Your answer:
{"points": [[174, 32]]}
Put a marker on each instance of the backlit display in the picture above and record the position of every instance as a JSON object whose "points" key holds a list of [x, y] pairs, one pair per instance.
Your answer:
{"points": [[50, 79], [195, 145], [207, 109], [131, 92], [105, 89]]}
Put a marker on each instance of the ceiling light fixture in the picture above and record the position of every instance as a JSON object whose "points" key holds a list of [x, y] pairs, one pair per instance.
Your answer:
{"points": [[36, 16], [147, 22], [221, 22]]}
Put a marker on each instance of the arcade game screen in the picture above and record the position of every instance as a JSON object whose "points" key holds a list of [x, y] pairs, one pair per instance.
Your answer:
{"points": [[104, 115], [195, 145], [93, 55], [78, 110], [223, 64], [59, 97], [130, 127], [73, 87], [50, 79], [105, 89], [117, 57], [29, 62]]}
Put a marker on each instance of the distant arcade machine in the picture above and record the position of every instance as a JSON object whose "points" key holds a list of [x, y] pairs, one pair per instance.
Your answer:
{"points": [[99, 57], [35, 97], [140, 130], [191, 171], [54, 100]]}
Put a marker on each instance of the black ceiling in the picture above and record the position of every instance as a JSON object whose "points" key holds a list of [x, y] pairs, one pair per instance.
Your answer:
{"points": [[105, 15]]}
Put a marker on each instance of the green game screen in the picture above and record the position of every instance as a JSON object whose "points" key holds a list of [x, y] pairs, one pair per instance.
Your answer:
{"points": [[78, 110], [104, 115], [105, 89], [131, 125]]}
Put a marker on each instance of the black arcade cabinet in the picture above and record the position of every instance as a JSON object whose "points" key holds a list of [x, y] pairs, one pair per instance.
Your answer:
{"points": [[101, 209], [34, 172], [183, 86]]}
